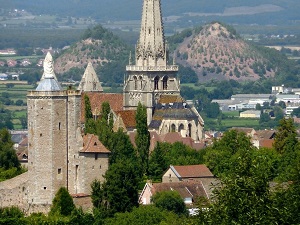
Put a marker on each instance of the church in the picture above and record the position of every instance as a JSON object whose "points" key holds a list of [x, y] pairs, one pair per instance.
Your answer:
{"points": [[60, 154]]}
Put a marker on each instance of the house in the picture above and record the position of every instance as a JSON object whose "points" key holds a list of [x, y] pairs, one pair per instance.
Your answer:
{"points": [[186, 173], [263, 138], [250, 114], [250, 132], [11, 63], [189, 191]]}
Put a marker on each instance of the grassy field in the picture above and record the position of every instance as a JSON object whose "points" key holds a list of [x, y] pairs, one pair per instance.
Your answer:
{"points": [[197, 87], [240, 122], [231, 113]]}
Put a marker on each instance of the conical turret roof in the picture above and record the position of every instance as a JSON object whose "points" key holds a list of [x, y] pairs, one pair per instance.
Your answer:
{"points": [[48, 81], [90, 81]]}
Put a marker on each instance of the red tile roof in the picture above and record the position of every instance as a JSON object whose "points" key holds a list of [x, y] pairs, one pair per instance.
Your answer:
{"points": [[128, 117], [192, 171], [266, 143], [97, 98], [185, 189], [91, 144]]}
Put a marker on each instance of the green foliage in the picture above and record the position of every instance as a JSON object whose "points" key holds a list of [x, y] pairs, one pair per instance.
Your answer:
{"points": [[157, 163], [87, 108], [9, 163], [62, 203], [121, 148], [170, 201], [187, 75], [166, 154], [121, 186], [145, 215], [221, 155], [142, 139], [285, 138]]}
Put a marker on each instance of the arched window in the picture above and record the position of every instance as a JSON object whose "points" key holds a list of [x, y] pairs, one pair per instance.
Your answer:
{"points": [[135, 82], [173, 128], [190, 130], [156, 79], [141, 82], [165, 82], [181, 127]]}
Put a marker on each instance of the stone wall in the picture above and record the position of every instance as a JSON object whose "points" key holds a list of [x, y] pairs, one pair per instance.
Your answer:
{"points": [[14, 192]]}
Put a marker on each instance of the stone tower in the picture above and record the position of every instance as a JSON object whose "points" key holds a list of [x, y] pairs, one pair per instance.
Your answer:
{"points": [[151, 75], [53, 119]]}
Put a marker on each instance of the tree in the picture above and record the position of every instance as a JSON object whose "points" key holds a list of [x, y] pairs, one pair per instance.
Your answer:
{"points": [[219, 157], [157, 162], [104, 125], [142, 139], [121, 186], [121, 148], [171, 201], [213, 110], [62, 203], [8, 157], [87, 108], [244, 194], [296, 112], [285, 136]]}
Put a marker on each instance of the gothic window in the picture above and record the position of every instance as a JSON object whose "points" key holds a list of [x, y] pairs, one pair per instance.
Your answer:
{"points": [[181, 127], [141, 82], [165, 83], [173, 128], [190, 130], [156, 79], [135, 82]]}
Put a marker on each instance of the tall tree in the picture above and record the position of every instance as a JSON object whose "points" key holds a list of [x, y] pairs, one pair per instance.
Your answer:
{"points": [[142, 139], [62, 203], [90, 126], [121, 186], [285, 136], [104, 125]]}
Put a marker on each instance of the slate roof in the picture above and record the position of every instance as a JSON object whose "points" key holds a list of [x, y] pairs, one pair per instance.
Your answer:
{"points": [[91, 144], [192, 171], [171, 107], [49, 84]]}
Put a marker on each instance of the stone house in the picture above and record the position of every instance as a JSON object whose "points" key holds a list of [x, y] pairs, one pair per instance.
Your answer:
{"points": [[189, 191]]}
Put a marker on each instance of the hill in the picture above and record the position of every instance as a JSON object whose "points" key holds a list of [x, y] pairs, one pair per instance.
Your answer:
{"points": [[217, 52], [105, 50], [184, 12]]}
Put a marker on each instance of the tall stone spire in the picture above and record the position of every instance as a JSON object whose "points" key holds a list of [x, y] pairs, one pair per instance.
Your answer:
{"points": [[151, 48], [151, 75], [90, 81]]}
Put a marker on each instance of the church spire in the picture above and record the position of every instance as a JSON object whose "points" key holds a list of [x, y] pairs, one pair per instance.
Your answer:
{"points": [[151, 47], [90, 81]]}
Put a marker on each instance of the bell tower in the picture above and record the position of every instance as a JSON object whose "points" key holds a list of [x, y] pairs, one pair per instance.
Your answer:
{"points": [[151, 75]]}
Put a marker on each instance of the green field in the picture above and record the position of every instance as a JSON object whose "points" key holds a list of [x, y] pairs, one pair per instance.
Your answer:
{"points": [[197, 87], [231, 113], [240, 122]]}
